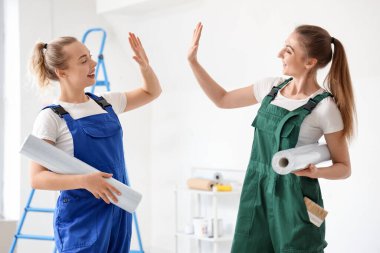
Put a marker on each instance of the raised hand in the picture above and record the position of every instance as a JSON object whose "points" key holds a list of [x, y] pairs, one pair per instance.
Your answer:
{"points": [[192, 54], [140, 55]]}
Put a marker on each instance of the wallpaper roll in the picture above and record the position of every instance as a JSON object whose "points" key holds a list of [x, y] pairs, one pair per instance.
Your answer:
{"points": [[290, 160], [209, 174], [60, 162], [200, 184]]}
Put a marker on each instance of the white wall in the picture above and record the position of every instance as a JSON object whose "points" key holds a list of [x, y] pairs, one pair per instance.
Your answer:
{"points": [[183, 129], [12, 117]]}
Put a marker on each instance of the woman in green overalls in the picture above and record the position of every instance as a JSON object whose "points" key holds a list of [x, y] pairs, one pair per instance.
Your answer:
{"points": [[272, 214]]}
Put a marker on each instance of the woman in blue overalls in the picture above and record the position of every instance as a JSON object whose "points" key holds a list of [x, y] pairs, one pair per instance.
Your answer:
{"points": [[86, 126], [272, 215]]}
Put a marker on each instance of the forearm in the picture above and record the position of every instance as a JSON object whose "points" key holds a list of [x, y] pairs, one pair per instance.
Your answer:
{"points": [[43, 179], [212, 89], [151, 83], [334, 172]]}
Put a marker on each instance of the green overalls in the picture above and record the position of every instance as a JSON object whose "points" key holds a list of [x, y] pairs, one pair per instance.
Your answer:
{"points": [[272, 214]]}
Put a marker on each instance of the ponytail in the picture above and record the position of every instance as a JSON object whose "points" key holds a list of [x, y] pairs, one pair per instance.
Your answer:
{"points": [[38, 65], [317, 42], [46, 58], [339, 83]]}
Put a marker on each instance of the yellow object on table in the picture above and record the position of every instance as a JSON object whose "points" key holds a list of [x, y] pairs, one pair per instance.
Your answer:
{"points": [[223, 187]]}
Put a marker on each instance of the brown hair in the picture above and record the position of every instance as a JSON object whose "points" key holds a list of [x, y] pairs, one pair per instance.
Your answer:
{"points": [[48, 57], [317, 42]]}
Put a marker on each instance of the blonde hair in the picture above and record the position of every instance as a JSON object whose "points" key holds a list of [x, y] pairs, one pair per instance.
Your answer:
{"points": [[317, 42], [46, 58]]}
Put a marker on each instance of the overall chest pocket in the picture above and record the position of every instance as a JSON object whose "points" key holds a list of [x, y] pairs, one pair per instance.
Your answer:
{"points": [[272, 137], [101, 130], [270, 126]]}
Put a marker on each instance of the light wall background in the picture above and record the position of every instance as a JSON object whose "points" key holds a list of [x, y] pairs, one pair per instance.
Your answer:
{"points": [[183, 129]]}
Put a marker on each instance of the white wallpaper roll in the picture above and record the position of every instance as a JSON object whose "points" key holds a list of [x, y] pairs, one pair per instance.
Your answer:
{"points": [[60, 162], [289, 160]]}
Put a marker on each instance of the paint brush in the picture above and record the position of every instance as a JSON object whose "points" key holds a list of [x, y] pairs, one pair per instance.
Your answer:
{"points": [[316, 213]]}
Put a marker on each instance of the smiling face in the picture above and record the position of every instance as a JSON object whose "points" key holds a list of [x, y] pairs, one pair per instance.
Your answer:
{"points": [[80, 71], [294, 59]]}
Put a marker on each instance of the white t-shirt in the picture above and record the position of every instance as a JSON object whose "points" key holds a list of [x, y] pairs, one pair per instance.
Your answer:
{"points": [[48, 125], [324, 119]]}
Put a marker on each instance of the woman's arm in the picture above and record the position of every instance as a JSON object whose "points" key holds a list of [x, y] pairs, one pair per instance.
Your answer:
{"points": [[151, 88], [221, 98], [341, 167], [42, 178]]}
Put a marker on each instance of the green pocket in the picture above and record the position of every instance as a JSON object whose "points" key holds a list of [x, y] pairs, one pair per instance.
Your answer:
{"points": [[248, 203]]}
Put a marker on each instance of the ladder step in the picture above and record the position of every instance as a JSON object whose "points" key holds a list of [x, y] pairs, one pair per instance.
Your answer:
{"points": [[101, 83], [35, 237], [40, 210]]}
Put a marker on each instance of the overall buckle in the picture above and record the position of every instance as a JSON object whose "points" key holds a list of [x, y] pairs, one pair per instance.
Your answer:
{"points": [[274, 91], [310, 105], [59, 110], [103, 103]]}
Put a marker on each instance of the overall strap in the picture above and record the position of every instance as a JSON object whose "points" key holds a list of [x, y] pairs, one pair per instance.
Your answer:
{"points": [[273, 93], [313, 102], [57, 109], [100, 101], [301, 112]]}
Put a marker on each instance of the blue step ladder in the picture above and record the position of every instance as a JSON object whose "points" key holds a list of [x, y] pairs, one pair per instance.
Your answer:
{"points": [[100, 64], [28, 208], [19, 235], [106, 83]]}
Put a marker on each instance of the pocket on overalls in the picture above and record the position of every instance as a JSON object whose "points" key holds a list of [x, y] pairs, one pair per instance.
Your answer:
{"points": [[309, 188], [286, 141], [96, 131], [309, 237], [76, 222], [248, 203]]}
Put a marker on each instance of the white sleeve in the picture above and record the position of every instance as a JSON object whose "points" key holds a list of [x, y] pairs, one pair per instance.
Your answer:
{"points": [[46, 125], [118, 100], [262, 88], [330, 118]]}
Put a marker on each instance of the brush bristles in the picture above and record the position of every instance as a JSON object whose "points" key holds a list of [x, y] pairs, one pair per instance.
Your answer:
{"points": [[315, 209]]}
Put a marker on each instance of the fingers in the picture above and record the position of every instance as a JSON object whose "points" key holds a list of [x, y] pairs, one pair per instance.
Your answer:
{"points": [[139, 41], [96, 195], [110, 195], [107, 194], [113, 189], [101, 188], [137, 59], [106, 175], [197, 33], [111, 192], [133, 44], [300, 172], [133, 40], [104, 197]]}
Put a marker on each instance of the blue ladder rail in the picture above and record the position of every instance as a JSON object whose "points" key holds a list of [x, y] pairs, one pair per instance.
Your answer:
{"points": [[100, 64], [19, 235]]}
